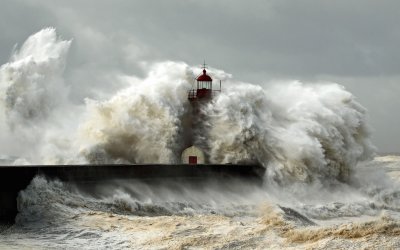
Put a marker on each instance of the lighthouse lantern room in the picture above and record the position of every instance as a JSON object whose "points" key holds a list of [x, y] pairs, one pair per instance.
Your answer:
{"points": [[204, 87]]}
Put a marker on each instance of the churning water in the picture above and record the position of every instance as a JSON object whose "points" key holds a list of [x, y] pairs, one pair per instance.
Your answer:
{"points": [[322, 187]]}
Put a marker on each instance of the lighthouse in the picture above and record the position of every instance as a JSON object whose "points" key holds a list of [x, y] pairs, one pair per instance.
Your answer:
{"points": [[200, 95]]}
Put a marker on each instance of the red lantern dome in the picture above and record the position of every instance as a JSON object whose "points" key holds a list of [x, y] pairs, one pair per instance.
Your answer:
{"points": [[204, 77]]}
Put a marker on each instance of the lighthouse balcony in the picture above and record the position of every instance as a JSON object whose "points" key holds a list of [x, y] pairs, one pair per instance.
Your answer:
{"points": [[196, 94]]}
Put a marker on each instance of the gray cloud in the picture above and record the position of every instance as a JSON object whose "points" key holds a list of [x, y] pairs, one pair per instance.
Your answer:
{"points": [[354, 43]]}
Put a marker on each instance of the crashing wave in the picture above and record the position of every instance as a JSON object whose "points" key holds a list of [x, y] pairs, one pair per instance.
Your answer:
{"points": [[299, 132]]}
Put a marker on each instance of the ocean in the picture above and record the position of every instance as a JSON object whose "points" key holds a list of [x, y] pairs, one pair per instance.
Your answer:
{"points": [[324, 186], [364, 214]]}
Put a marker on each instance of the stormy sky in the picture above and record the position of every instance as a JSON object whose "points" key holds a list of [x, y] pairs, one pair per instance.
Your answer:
{"points": [[354, 43]]}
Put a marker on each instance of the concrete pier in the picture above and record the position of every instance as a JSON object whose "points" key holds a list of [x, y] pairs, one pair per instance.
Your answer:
{"points": [[16, 178]]}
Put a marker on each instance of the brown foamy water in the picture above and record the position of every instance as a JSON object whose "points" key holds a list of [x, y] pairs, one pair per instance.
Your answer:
{"points": [[220, 220]]}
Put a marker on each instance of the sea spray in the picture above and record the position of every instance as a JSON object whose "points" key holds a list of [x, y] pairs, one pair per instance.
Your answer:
{"points": [[32, 94], [31, 82], [318, 134], [299, 132], [140, 124]]}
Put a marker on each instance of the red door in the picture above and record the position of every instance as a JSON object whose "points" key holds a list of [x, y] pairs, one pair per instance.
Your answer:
{"points": [[192, 159]]}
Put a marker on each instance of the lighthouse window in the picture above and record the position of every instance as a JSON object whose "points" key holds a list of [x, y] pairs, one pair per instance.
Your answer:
{"points": [[204, 85]]}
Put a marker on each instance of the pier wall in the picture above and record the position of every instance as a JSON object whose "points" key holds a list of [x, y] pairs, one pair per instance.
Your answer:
{"points": [[16, 178]]}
